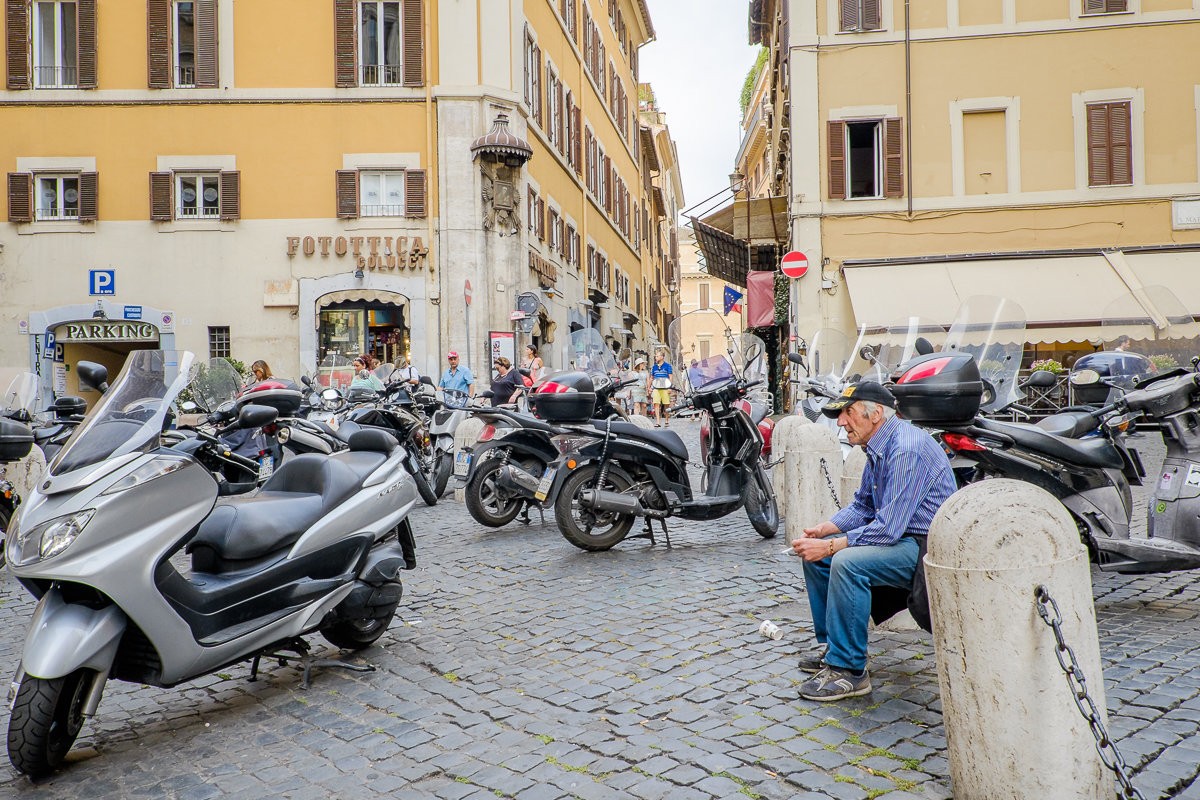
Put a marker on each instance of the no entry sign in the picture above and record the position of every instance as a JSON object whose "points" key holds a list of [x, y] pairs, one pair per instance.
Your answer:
{"points": [[794, 264]]}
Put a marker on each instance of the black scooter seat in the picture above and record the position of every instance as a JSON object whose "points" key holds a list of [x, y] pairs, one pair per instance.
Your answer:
{"points": [[668, 440], [1069, 424], [1091, 452]]}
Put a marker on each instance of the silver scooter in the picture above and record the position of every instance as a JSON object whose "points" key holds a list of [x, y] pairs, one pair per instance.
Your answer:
{"points": [[143, 575]]}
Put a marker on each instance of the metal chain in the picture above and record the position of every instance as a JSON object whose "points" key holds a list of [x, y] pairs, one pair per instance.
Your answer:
{"points": [[829, 482], [1105, 746]]}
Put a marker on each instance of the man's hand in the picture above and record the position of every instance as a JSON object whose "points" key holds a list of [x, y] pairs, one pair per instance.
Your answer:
{"points": [[811, 549], [821, 531]]}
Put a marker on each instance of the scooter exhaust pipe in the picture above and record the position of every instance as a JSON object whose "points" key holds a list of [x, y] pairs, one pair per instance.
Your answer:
{"points": [[617, 503], [512, 478]]}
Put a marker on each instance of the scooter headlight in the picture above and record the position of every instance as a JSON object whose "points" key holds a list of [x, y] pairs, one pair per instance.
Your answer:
{"points": [[57, 535], [147, 472]]}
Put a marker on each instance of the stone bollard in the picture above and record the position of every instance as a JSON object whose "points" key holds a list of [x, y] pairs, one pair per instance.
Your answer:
{"points": [[783, 446], [818, 468], [641, 420], [465, 435], [1012, 728], [852, 472]]}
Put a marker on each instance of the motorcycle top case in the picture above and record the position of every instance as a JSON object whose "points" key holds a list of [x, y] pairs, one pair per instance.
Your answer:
{"points": [[285, 401], [69, 406], [939, 388], [16, 440], [569, 397]]}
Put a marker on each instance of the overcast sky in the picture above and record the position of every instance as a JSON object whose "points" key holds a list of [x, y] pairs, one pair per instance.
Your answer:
{"points": [[697, 65]]}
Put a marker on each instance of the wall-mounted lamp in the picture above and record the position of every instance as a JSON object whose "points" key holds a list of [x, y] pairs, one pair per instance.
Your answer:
{"points": [[358, 274]]}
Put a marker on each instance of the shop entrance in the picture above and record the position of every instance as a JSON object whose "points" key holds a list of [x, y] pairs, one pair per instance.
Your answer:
{"points": [[351, 327]]}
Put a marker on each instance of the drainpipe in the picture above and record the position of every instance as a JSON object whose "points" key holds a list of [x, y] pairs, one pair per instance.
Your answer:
{"points": [[908, 112], [433, 171]]}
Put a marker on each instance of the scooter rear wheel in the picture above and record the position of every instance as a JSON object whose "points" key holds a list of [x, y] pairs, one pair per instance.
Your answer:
{"points": [[585, 528], [484, 501], [47, 716], [443, 465], [355, 634]]}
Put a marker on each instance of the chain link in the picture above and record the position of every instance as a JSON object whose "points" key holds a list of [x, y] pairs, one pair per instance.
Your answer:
{"points": [[829, 482], [1105, 746]]}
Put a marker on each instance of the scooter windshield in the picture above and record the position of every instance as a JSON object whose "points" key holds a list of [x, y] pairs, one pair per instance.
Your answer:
{"points": [[1143, 333], [215, 383], [992, 330], [903, 341], [704, 350], [19, 399], [587, 351], [829, 357], [131, 415], [336, 372]]}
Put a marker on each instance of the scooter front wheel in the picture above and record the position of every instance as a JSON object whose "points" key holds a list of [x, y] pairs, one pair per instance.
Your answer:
{"points": [[47, 716], [443, 465], [590, 529], [760, 504]]}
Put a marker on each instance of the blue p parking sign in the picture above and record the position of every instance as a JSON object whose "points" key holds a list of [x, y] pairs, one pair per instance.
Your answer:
{"points": [[102, 281]]}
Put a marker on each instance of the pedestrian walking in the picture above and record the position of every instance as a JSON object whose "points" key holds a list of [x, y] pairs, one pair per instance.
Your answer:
{"points": [[660, 388], [639, 393]]}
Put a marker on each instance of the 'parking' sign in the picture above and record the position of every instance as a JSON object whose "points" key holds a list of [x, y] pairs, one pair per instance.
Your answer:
{"points": [[102, 281]]}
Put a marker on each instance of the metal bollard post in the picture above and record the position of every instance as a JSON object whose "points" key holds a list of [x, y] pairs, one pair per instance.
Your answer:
{"points": [[465, 435], [814, 483], [1012, 727], [783, 446]]}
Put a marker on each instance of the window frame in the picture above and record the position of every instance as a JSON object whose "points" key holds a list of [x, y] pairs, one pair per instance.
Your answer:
{"points": [[1080, 101], [881, 9], [60, 194], [177, 67], [215, 345], [383, 68], [202, 176], [703, 295], [382, 174], [60, 53]]}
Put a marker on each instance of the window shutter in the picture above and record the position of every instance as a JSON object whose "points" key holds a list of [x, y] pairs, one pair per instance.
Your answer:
{"points": [[414, 193], [576, 123], [347, 193], [344, 41], [16, 28], [537, 85], [85, 43], [850, 15], [89, 196], [230, 186], [559, 117], [870, 15], [1116, 6], [414, 42], [160, 196], [20, 197], [1120, 143], [158, 44], [837, 159], [206, 44], [893, 157], [1097, 144]]}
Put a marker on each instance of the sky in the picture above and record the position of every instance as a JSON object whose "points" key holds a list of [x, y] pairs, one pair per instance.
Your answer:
{"points": [[697, 65]]}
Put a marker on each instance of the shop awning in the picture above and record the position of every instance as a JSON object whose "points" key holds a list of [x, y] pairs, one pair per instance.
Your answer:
{"points": [[361, 296], [763, 218], [729, 258], [1064, 296]]}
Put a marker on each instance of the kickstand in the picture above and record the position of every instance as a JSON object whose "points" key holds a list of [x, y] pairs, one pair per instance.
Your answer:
{"points": [[649, 532], [298, 650], [525, 520]]}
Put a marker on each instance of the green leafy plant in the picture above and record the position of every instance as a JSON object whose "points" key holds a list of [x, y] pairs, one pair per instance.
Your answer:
{"points": [[1049, 365], [752, 78], [1163, 362]]}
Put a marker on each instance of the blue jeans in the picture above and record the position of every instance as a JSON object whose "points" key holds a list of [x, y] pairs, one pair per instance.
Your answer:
{"points": [[839, 594]]}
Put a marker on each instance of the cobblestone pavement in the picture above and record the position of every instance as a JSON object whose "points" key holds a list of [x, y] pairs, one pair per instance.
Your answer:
{"points": [[523, 667]]}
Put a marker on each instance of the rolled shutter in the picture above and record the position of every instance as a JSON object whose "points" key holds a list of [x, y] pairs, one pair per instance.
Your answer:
{"points": [[837, 159], [20, 197], [347, 193], [85, 43], [89, 186], [206, 43], [893, 155], [414, 43], [414, 193], [344, 41], [230, 187], [870, 20], [16, 28], [1120, 143], [160, 196], [158, 44], [850, 20]]}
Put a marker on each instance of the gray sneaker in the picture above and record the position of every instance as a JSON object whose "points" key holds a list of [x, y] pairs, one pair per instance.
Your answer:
{"points": [[814, 661], [833, 683]]}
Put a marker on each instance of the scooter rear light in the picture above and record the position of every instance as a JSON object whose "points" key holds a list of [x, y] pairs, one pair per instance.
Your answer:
{"points": [[960, 441], [551, 387], [926, 370], [487, 433]]}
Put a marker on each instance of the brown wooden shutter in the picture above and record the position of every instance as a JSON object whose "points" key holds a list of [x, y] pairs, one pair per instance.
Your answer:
{"points": [[537, 85], [344, 43], [893, 157], [16, 28], [158, 44], [1104, 6], [577, 123], [559, 117], [849, 15], [347, 193], [20, 197], [414, 42], [89, 188], [230, 187], [837, 159], [206, 44], [414, 193], [160, 196], [871, 17], [85, 43], [1097, 144], [1120, 139]]}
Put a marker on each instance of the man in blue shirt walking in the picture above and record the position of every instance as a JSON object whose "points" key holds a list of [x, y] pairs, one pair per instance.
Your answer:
{"points": [[870, 542], [457, 380]]}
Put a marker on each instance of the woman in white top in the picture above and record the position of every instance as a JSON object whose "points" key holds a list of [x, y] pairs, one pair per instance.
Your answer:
{"points": [[533, 363]]}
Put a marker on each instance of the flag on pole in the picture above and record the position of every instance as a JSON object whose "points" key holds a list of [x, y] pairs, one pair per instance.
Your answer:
{"points": [[732, 300]]}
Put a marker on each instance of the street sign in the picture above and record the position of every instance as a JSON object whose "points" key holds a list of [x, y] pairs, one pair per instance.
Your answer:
{"points": [[133, 312], [467, 292], [794, 264], [515, 315], [102, 281]]}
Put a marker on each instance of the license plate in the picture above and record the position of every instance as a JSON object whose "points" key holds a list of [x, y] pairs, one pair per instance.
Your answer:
{"points": [[544, 487], [718, 407], [266, 467], [462, 463]]}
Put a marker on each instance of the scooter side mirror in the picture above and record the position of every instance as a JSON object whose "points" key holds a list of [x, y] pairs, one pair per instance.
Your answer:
{"points": [[427, 380], [922, 346], [255, 416], [93, 377], [1085, 377], [1042, 379], [796, 358], [487, 394], [331, 394], [307, 381]]}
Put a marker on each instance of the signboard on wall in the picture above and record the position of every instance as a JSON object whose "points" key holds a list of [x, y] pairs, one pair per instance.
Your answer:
{"points": [[501, 343]]}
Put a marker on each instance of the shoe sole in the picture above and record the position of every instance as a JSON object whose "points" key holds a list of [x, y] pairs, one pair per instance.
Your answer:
{"points": [[830, 697], [812, 670]]}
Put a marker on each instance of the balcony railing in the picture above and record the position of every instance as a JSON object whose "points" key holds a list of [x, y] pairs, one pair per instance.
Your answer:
{"points": [[56, 77], [185, 77], [50, 214], [192, 212], [379, 74]]}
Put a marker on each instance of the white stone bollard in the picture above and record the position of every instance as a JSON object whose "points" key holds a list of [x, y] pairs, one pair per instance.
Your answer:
{"points": [[641, 420], [783, 446], [1012, 728], [465, 435], [852, 472], [819, 466]]}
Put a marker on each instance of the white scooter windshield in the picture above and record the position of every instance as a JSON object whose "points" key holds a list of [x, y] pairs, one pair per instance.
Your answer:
{"points": [[131, 415]]}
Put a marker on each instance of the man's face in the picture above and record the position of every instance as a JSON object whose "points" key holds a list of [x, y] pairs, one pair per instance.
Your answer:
{"points": [[858, 426], [453, 361]]}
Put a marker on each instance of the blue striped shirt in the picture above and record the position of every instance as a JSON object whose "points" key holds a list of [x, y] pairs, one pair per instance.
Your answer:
{"points": [[906, 480]]}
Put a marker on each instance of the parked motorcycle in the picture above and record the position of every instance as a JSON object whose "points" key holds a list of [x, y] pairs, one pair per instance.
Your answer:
{"points": [[609, 474], [319, 548], [16, 440]]}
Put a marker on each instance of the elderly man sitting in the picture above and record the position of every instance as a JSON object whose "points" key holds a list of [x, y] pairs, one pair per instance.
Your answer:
{"points": [[872, 541]]}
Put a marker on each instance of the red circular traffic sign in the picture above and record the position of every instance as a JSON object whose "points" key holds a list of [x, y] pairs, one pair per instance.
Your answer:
{"points": [[467, 292], [794, 264]]}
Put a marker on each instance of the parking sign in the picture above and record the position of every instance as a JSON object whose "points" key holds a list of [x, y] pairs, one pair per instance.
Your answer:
{"points": [[102, 281]]}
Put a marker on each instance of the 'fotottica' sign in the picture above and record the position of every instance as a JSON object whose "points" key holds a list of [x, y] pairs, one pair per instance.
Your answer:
{"points": [[107, 331]]}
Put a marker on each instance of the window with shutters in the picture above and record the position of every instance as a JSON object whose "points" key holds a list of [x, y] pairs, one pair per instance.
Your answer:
{"points": [[865, 159], [218, 342], [533, 78], [190, 195], [57, 197], [703, 299], [55, 45], [381, 193], [555, 240], [197, 195], [1105, 6], [568, 10], [396, 192], [181, 40], [1110, 144], [183, 23], [860, 15], [379, 43]]}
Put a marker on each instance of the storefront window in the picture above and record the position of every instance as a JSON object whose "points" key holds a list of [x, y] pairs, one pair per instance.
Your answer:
{"points": [[352, 328], [343, 332]]}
